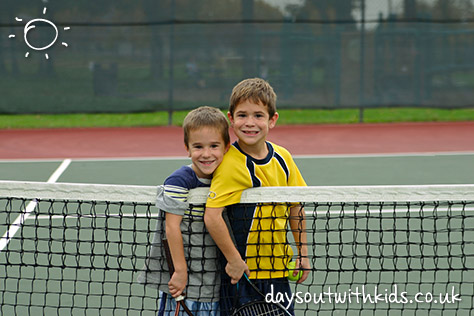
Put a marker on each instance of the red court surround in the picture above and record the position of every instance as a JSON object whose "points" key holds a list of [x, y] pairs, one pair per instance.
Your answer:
{"points": [[299, 140]]}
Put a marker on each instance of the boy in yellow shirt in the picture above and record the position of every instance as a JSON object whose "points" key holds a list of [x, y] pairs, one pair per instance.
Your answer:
{"points": [[261, 249]]}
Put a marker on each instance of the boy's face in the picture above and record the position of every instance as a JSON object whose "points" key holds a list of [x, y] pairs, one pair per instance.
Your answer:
{"points": [[206, 149], [251, 123]]}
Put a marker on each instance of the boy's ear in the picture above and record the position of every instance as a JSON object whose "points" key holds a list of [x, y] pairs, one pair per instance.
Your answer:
{"points": [[227, 147], [187, 149], [231, 117], [273, 120]]}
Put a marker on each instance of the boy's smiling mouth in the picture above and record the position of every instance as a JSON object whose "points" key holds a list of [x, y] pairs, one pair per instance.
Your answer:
{"points": [[250, 132], [207, 162]]}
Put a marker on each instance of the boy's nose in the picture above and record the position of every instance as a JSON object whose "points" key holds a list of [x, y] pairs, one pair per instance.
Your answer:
{"points": [[206, 152], [249, 121]]}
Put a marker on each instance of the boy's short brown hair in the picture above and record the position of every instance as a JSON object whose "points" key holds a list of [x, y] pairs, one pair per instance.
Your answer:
{"points": [[256, 90], [206, 116]]}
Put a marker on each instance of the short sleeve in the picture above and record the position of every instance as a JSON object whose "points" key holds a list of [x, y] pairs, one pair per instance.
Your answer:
{"points": [[229, 180], [172, 199]]}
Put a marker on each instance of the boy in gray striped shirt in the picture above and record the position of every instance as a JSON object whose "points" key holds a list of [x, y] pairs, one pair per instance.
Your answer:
{"points": [[194, 253]]}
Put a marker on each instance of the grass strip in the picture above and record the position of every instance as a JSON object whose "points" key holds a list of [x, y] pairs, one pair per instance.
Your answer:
{"points": [[287, 117]]}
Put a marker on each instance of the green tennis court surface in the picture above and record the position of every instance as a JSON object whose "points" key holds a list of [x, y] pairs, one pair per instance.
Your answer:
{"points": [[84, 256], [317, 170]]}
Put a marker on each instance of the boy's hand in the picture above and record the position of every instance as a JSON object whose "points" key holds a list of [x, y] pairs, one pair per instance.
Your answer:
{"points": [[302, 264], [235, 269], [177, 283]]}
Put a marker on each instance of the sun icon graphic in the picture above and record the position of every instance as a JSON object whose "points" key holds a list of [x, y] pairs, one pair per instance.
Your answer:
{"points": [[30, 25]]}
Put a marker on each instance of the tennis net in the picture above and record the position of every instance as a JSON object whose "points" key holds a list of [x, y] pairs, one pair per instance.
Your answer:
{"points": [[78, 249]]}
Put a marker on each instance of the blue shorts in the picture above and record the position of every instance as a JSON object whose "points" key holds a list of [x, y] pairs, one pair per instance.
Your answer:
{"points": [[233, 296], [168, 307]]}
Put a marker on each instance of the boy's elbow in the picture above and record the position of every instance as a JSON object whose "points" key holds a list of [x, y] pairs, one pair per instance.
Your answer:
{"points": [[172, 227], [211, 217], [207, 218]]}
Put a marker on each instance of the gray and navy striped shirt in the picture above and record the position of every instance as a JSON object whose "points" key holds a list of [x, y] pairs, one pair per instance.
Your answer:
{"points": [[199, 249]]}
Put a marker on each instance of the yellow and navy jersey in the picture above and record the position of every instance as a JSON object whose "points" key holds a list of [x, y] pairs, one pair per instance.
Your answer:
{"points": [[260, 231]]}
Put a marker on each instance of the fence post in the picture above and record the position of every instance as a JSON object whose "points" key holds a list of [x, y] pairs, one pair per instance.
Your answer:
{"points": [[362, 63], [171, 65]]}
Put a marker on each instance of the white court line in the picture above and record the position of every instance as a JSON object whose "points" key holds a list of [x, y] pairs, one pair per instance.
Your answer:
{"points": [[317, 156], [388, 155], [426, 210], [57, 217], [18, 223], [106, 159]]}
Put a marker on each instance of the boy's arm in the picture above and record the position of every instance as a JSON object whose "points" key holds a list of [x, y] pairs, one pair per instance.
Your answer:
{"points": [[179, 279], [217, 227], [298, 227]]}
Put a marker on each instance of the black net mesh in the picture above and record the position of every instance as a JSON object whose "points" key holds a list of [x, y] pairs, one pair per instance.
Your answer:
{"points": [[78, 257]]}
